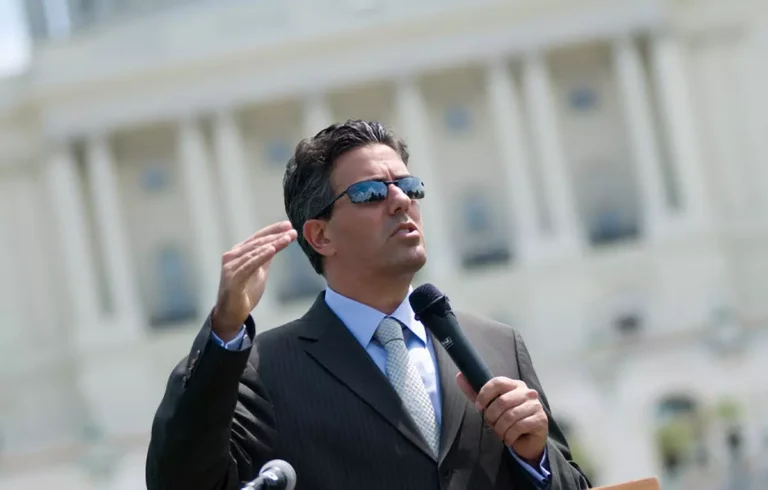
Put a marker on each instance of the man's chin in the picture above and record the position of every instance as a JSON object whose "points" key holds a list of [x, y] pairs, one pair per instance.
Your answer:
{"points": [[413, 262]]}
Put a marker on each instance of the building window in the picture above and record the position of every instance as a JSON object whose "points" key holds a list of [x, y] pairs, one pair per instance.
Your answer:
{"points": [[626, 315], [608, 201], [582, 99], [609, 225], [477, 215], [486, 244], [300, 281], [629, 323], [681, 434], [277, 153], [606, 226], [176, 300], [458, 119], [155, 178]]}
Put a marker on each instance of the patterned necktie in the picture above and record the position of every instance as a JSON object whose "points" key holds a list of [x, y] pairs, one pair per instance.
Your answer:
{"points": [[406, 380]]}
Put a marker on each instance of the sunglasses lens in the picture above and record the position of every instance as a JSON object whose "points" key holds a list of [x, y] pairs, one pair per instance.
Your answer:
{"points": [[374, 191], [363, 192], [412, 186]]}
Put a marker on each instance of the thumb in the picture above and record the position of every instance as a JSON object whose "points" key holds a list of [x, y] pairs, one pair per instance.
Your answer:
{"points": [[465, 387]]}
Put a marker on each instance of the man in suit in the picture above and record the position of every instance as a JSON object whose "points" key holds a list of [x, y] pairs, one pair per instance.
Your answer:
{"points": [[355, 394]]}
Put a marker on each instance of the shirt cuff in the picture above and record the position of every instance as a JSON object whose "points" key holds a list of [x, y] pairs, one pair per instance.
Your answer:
{"points": [[235, 344], [540, 474]]}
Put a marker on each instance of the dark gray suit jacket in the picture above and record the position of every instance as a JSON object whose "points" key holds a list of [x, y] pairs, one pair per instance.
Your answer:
{"points": [[308, 393]]}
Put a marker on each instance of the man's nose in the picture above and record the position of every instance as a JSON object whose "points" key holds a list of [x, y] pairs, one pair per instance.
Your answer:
{"points": [[399, 200]]}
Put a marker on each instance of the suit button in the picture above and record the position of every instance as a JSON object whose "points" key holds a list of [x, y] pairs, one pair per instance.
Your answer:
{"points": [[446, 473]]}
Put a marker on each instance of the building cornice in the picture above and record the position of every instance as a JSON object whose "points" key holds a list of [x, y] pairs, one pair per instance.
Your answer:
{"points": [[325, 62]]}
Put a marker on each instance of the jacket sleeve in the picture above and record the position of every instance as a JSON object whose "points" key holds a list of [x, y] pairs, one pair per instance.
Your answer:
{"points": [[565, 473], [214, 427]]}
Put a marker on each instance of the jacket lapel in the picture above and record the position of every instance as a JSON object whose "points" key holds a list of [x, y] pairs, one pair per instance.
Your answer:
{"points": [[331, 344], [453, 401]]}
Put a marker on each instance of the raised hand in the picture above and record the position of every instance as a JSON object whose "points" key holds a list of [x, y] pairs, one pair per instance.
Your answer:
{"points": [[244, 271]]}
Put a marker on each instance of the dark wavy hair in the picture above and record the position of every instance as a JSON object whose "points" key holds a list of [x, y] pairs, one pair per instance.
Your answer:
{"points": [[307, 187]]}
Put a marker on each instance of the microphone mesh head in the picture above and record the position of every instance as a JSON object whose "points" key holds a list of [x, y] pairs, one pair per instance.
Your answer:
{"points": [[424, 296], [285, 468]]}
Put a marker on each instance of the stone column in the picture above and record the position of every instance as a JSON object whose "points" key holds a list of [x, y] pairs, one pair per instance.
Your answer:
{"points": [[643, 144], [201, 202], [71, 220], [414, 124], [12, 314], [679, 122], [317, 114], [239, 208], [567, 233], [505, 110], [755, 79], [231, 164], [111, 231]]}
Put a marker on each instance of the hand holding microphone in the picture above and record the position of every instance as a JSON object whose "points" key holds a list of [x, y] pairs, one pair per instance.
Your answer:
{"points": [[515, 413], [513, 410]]}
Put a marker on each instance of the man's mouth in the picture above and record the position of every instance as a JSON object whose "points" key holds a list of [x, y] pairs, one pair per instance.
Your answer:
{"points": [[405, 229]]}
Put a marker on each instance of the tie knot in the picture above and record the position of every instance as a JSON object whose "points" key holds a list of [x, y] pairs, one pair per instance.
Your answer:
{"points": [[388, 330]]}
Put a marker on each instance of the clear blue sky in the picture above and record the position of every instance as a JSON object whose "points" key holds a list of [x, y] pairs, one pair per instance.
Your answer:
{"points": [[14, 40]]}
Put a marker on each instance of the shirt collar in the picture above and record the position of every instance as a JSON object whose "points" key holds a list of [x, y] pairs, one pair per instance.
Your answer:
{"points": [[362, 320]]}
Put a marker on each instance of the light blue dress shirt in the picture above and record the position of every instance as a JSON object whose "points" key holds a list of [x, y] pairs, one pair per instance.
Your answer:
{"points": [[362, 321]]}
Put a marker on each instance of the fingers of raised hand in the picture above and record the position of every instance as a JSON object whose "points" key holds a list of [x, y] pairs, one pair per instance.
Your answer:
{"points": [[242, 261], [284, 240], [279, 239], [273, 229], [244, 266]]}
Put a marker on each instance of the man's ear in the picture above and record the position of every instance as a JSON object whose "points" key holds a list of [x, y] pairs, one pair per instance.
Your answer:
{"points": [[316, 233]]}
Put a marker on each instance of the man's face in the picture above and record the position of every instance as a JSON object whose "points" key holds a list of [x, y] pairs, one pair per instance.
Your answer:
{"points": [[371, 238]]}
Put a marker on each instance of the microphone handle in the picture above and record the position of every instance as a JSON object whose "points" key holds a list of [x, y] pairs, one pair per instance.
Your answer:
{"points": [[466, 359]]}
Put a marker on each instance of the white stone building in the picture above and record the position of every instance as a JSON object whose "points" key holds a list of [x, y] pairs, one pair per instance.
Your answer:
{"points": [[597, 172]]}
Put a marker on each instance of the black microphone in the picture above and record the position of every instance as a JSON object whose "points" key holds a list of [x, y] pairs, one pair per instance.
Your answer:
{"points": [[434, 311], [276, 474]]}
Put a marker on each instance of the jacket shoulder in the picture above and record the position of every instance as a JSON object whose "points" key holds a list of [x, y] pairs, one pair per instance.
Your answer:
{"points": [[475, 324]]}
